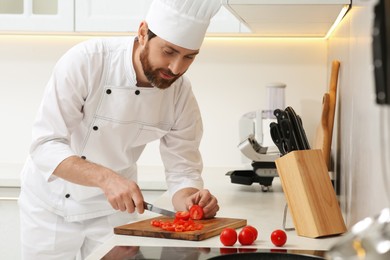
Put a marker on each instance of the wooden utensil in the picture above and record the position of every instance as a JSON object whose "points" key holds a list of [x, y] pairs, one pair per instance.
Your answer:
{"points": [[323, 139], [212, 227]]}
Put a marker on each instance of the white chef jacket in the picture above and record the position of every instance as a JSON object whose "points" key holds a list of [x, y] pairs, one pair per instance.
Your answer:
{"points": [[92, 108]]}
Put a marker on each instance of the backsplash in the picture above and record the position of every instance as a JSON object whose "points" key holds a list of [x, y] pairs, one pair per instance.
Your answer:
{"points": [[359, 122]]}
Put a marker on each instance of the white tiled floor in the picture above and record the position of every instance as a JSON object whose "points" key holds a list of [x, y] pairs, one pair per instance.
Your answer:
{"points": [[9, 221]]}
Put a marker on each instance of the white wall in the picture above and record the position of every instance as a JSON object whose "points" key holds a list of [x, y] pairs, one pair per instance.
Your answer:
{"points": [[361, 144], [228, 78]]}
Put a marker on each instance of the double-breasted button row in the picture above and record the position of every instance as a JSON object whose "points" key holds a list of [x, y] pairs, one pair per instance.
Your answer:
{"points": [[109, 91]]}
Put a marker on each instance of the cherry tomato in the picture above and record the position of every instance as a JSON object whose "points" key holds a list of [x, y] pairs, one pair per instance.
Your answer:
{"points": [[253, 229], [246, 237], [184, 215], [228, 236], [196, 212], [278, 237]]}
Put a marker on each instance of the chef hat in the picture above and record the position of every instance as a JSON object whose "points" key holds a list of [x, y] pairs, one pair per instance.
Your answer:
{"points": [[182, 22]]}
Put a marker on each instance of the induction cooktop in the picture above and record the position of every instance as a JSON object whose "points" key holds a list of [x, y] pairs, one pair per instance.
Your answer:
{"points": [[192, 253]]}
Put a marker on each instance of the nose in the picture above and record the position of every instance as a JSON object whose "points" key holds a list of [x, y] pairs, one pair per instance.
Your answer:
{"points": [[176, 66]]}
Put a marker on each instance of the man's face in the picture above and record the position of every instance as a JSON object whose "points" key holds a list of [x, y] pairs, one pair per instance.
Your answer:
{"points": [[163, 63]]}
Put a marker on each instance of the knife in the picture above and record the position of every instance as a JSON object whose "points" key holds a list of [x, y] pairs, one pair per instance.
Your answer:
{"points": [[157, 210]]}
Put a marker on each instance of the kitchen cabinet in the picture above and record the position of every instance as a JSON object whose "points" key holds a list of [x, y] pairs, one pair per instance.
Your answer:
{"points": [[99, 16], [109, 15], [36, 15], [9, 223], [125, 16]]}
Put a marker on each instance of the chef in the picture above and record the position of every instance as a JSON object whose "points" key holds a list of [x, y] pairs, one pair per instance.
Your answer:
{"points": [[106, 99]]}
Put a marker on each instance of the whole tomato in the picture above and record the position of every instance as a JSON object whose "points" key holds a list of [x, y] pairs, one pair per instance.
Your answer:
{"points": [[278, 237], [228, 236], [253, 229], [246, 237]]}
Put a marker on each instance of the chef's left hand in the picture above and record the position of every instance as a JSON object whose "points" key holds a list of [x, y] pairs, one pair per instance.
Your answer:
{"points": [[206, 200]]}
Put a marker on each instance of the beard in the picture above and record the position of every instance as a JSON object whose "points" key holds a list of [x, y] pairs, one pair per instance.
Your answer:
{"points": [[153, 74]]}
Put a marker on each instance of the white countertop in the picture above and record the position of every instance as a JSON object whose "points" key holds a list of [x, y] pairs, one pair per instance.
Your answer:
{"points": [[263, 210]]}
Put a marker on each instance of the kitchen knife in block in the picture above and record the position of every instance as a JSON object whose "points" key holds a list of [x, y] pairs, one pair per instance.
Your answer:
{"points": [[309, 193], [212, 227]]}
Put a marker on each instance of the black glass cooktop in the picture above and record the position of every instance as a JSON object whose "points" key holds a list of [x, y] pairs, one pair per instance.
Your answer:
{"points": [[192, 253]]}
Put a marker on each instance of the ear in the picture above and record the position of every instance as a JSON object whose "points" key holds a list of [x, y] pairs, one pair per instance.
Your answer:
{"points": [[143, 32]]}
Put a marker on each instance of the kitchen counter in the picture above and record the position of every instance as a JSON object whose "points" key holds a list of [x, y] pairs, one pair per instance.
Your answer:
{"points": [[263, 210]]}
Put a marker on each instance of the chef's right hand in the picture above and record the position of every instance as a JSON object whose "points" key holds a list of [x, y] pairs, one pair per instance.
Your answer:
{"points": [[122, 194]]}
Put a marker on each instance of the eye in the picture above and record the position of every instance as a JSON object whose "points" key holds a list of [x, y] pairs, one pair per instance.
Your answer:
{"points": [[190, 57], [168, 52]]}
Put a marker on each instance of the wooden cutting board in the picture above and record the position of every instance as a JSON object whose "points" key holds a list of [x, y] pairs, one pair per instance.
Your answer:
{"points": [[323, 139], [212, 227]]}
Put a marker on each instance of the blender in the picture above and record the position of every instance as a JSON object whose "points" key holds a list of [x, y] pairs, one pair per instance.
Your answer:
{"points": [[257, 144]]}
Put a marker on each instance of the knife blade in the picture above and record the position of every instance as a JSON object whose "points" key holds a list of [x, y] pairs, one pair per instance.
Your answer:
{"points": [[158, 210]]}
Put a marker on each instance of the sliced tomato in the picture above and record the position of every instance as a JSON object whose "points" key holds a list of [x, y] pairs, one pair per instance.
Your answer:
{"points": [[190, 228], [199, 226], [168, 227], [177, 225], [179, 228], [184, 215], [196, 212], [155, 223]]}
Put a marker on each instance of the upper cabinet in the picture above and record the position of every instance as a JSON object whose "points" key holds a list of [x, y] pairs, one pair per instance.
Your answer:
{"points": [[260, 17], [110, 15], [36, 15], [126, 15], [291, 18], [86, 16]]}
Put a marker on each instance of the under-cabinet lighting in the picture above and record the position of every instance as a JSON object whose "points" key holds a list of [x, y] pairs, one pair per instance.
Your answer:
{"points": [[337, 21]]}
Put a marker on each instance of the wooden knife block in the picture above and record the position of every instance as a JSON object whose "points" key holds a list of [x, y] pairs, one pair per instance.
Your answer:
{"points": [[310, 195]]}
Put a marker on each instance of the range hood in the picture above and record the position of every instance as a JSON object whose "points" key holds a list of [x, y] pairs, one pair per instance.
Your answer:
{"points": [[289, 18]]}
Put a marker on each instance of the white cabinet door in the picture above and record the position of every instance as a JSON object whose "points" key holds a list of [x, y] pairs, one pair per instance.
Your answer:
{"points": [[90, 16], [36, 15], [126, 15], [9, 223], [110, 15]]}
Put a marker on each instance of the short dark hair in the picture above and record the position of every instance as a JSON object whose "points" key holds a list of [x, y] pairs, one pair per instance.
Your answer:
{"points": [[151, 34]]}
